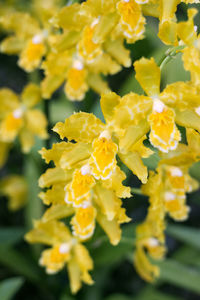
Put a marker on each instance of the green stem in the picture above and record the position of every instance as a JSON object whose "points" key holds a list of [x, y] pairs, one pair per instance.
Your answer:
{"points": [[169, 55], [136, 191], [47, 114]]}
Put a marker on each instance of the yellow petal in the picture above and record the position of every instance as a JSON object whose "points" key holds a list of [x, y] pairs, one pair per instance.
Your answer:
{"points": [[186, 30], [36, 123], [108, 104], [12, 45], [117, 50], [193, 139], [56, 212], [49, 233], [26, 139], [15, 188], [69, 18], [168, 32], [134, 162], [97, 83], [148, 75], [4, 151], [141, 149], [131, 109], [132, 135], [74, 275], [143, 266], [22, 24], [31, 95], [111, 228], [83, 127], [9, 102], [108, 207], [85, 262], [54, 175], [115, 183], [55, 195], [67, 155], [87, 48], [104, 64], [181, 95], [188, 119], [50, 84], [104, 27]]}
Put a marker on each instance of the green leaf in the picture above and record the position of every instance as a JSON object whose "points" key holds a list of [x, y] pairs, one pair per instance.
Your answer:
{"points": [[32, 172], [60, 109], [118, 297], [10, 236], [150, 293], [195, 170], [20, 264], [180, 275], [188, 235], [188, 255], [104, 253], [9, 287]]}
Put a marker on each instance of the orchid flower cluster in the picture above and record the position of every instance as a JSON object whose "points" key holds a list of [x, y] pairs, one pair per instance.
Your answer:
{"points": [[76, 44]]}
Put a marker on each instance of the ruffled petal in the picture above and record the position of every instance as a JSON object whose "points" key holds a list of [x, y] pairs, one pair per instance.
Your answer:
{"points": [[83, 127], [148, 75]]}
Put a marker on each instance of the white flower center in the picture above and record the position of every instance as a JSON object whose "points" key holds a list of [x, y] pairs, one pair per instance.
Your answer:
{"points": [[169, 196], [17, 113], [153, 242], [197, 110], [77, 64], [37, 39], [86, 170], [176, 172], [64, 248], [105, 134], [158, 106]]}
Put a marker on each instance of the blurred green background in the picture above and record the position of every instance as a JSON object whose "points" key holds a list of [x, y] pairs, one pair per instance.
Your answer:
{"points": [[114, 273]]}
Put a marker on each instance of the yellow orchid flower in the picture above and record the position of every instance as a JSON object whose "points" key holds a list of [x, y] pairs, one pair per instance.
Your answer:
{"points": [[91, 44], [65, 250], [30, 33], [187, 32], [77, 192], [176, 103], [18, 118], [150, 239], [15, 188], [107, 140], [167, 190]]}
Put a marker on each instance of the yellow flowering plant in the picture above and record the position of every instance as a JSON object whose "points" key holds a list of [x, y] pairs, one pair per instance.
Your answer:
{"points": [[120, 157]]}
